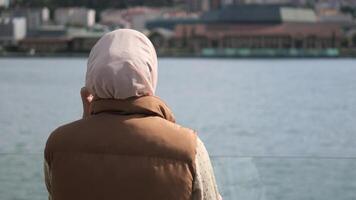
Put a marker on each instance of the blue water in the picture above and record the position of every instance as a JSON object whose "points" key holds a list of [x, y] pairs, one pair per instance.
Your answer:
{"points": [[276, 129]]}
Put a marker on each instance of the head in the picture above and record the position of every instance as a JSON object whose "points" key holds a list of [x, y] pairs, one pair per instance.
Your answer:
{"points": [[122, 64]]}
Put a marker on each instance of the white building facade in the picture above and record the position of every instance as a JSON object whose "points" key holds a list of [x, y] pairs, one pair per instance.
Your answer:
{"points": [[4, 3], [12, 30], [35, 17], [75, 16], [134, 18]]}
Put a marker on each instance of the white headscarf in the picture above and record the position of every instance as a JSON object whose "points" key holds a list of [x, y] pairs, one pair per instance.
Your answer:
{"points": [[122, 64]]}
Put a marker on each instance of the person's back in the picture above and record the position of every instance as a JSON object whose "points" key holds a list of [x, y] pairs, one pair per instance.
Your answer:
{"points": [[127, 146], [123, 151]]}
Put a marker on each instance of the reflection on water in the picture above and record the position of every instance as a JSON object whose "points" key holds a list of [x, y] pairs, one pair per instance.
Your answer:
{"points": [[277, 129], [21, 177], [287, 178]]}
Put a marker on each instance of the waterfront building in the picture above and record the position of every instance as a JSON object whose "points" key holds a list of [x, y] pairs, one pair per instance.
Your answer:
{"points": [[84, 43], [4, 3], [257, 27], [12, 29], [75, 16], [265, 14], [170, 23], [114, 19], [303, 15], [198, 5], [82, 40], [208, 5], [45, 44], [259, 36], [259, 14], [54, 39], [332, 13], [333, 4], [270, 1], [337, 18], [47, 31], [35, 17], [171, 17], [215, 4], [46, 39], [134, 18], [223, 3]]}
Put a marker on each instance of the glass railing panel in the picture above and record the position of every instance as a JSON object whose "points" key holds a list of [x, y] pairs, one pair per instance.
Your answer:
{"points": [[238, 177]]}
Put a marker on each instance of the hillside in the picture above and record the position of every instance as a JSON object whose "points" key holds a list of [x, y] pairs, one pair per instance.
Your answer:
{"points": [[96, 4]]}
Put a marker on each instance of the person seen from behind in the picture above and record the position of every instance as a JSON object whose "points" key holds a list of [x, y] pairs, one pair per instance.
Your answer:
{"points": [[127, 145]]}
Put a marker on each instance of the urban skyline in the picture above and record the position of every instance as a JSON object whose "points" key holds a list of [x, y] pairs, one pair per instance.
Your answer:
{"points": [[231, 29]]}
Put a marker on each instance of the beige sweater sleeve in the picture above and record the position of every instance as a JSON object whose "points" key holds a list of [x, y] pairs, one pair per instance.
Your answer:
{"points": [[205, 187]]}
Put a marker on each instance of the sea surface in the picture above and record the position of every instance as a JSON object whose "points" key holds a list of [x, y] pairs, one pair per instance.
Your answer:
{"points": [[275, 129]]}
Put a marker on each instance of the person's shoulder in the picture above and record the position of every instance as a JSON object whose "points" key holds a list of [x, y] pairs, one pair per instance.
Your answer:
{"points": [[200, 146], [190, 134], [180, 128], [67, 127], [62, 131]]}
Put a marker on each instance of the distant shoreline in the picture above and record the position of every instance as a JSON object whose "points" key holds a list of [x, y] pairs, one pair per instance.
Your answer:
{"points": [[85, 55]]}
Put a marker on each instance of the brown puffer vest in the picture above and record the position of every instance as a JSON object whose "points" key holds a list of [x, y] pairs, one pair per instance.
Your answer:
{"points": [[127, 149]]}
